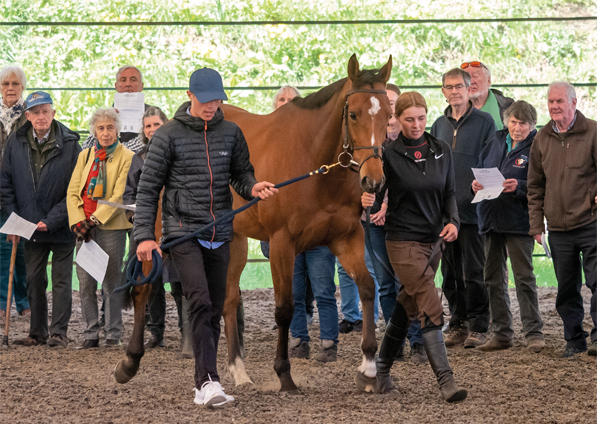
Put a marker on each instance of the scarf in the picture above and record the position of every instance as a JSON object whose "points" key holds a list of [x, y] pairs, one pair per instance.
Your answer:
{"points": [[9, 115], [97, 185]]}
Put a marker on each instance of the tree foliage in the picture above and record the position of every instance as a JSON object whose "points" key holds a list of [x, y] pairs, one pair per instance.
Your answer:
{"points": [[305, 55]]}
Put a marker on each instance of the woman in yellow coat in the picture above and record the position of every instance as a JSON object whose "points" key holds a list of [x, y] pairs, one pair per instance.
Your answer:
{"points": [[100, 174]]}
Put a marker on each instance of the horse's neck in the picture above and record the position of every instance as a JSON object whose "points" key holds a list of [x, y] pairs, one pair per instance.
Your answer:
{"points": [[328, 130]]}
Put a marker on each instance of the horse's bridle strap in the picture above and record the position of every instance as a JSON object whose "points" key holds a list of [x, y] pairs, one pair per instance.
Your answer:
{"points": [[376, 149]]}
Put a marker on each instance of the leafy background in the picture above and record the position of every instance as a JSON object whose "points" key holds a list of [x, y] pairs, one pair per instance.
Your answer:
{"points": [[87, 57]]}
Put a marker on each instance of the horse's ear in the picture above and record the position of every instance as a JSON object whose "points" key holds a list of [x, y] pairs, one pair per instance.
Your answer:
{"points": [[353, 67], [386, 70]]}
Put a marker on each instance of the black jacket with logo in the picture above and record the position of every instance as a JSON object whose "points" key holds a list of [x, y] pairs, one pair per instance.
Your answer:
{"points": [[420, 202], [196, 162]]}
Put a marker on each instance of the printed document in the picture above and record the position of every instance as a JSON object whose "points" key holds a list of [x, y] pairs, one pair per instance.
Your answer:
{"points": [[15, 225], [131, 107], [491, 179], [93, 259]]}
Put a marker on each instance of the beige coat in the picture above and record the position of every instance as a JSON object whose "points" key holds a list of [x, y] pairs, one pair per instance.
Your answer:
{"points": [[117, 167]]}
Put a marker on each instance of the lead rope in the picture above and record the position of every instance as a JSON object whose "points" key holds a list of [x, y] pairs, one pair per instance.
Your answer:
{"points": [[134, 268]]}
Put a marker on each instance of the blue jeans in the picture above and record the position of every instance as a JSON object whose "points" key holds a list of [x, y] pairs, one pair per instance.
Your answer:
{"points": [[319, 265], [388, 288], [19, 282], [350, 294]]}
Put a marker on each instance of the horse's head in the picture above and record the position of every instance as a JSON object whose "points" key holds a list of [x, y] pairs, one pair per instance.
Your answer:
{"points": [[366, 115]]}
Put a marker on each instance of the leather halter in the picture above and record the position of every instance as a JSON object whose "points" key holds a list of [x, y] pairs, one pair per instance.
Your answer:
{"points": [[347, 145]]}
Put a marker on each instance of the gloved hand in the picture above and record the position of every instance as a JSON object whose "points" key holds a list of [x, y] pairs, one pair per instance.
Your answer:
{"points": [[83, 230]]}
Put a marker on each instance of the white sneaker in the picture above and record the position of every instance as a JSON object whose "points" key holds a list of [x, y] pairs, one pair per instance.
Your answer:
{"points": [[211, 394]]}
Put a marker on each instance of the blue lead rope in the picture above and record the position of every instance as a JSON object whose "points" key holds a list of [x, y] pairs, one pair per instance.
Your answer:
{"points": [[134, 268]]}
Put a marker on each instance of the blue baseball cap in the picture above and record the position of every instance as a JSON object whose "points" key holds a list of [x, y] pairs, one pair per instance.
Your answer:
{"points": [[206, 85], [38, 98]]}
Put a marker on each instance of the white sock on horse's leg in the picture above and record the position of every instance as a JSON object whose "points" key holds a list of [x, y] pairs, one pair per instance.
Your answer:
{"points": [[368, 367]]}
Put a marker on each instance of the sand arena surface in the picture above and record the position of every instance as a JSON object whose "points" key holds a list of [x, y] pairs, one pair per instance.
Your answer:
{"points": [[57, 385]]}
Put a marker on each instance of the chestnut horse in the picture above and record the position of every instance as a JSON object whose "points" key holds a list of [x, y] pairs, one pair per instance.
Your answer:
{"points": [[345, 120], [322, 210]]}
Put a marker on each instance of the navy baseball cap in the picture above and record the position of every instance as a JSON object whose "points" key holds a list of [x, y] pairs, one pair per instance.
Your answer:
{"points": [[38, 98], [206, 85]]}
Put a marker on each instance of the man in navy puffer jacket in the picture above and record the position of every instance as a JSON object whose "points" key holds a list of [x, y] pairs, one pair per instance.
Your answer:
{"points": [[196, 157]]}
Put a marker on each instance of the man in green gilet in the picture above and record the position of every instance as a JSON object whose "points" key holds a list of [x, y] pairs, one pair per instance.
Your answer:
{"points": [[483, 97]]}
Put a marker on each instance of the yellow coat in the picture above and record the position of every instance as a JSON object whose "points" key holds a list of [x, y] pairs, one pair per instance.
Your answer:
{"points": [[117, 167]]}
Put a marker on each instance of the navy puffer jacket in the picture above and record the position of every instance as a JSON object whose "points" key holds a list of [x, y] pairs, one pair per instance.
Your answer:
{"points": [[196, 162], [509, 213]]}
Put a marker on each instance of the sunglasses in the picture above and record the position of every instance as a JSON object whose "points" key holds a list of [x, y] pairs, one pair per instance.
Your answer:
{"points": [[473, 64]]}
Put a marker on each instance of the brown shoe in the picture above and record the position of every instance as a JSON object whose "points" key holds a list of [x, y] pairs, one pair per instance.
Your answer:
{"points": [[25, 313], [475, 339], [495, 344], [29, 341], [59, 340], [535, 345], [456, 337], [2, 313], [328, 352]]}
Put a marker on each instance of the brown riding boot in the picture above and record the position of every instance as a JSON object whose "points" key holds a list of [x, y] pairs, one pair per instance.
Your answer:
{"points": [[438, 359]]}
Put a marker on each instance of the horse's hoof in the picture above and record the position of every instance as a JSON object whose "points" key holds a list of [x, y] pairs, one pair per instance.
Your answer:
{"points": [[238, 372], [293, 392], [364, 383], [120, 375]]}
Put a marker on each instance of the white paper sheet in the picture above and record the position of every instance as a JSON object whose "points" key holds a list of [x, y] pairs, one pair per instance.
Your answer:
{"points": [[131, 107], [545, 246], [15, 225], [132, 207], [492, 181], [93, 259]]}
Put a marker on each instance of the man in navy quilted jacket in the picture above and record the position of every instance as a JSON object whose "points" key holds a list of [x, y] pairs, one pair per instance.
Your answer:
{"points": [[197, 156]]}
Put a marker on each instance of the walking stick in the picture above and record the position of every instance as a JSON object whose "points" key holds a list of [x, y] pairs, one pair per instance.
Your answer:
{"points": [[13, 258]]}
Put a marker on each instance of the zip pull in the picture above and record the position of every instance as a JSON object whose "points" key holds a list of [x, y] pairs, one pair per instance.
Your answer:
{"points": [[454, 138]]}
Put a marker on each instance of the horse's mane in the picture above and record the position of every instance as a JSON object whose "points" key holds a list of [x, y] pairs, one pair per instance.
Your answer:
{"points": [[320, 98]]}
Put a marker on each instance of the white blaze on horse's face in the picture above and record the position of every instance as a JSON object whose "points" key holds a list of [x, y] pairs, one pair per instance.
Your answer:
{"points": [[375, 107]]}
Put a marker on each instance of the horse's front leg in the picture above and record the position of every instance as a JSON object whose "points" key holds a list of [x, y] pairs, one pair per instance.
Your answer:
{"points": [[128, 367], [238, 260], [282, 256], [351, 254]]}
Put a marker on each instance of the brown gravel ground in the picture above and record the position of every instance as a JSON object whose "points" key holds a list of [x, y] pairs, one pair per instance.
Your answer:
{"points": [[57, 385]]}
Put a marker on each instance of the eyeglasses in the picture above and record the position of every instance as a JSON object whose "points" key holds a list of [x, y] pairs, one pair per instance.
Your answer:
{"points": [[473, 64], [454, 87]]}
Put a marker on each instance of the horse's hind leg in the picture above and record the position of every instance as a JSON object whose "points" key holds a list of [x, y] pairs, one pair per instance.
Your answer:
{"points": [[282, 264], [128, 367], [238, 260], [351, 254]]}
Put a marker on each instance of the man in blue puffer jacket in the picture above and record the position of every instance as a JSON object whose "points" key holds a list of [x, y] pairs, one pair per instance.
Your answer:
{"points": [[197, 156]]}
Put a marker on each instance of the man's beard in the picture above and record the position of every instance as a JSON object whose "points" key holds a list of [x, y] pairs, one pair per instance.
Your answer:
{"points": [[475, 95]]}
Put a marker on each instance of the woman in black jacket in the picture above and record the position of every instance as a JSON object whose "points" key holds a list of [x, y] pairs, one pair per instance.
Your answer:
{"points": [[421, 210], [504, 222]]}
